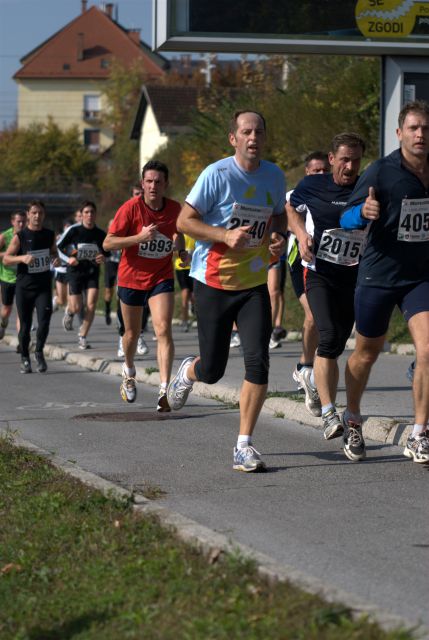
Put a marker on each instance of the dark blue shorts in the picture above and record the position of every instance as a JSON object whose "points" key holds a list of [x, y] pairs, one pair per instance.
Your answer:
{"points": [[138, 297], [374, 306]]}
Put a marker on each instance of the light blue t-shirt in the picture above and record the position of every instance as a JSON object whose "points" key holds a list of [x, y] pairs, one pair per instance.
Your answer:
{"points": [[225, 195]]}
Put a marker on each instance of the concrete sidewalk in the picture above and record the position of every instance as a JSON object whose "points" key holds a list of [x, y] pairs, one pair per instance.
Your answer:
{"points": [[387, 403]]}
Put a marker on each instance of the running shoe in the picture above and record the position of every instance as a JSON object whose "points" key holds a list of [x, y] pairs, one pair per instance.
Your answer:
{"points": [[41, 362], [3, 326], [296, 376], [312, 400], [142, 348], [186, 325], [26, 365], [120, 353], [235, 340], [83, 343], [417, 448], [274, 343], [128, 386], [68, 321], [108, 318], [332, 425], [178, 390], [279, 333], [248, 459], [410, 371], [163, 406], [353, 442]]}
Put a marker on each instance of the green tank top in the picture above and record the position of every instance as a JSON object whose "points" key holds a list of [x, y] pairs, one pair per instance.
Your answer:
{"points": [[7, 274]]}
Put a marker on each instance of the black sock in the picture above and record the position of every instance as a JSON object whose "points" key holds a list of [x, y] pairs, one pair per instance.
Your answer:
{"points": [[107, 305]]}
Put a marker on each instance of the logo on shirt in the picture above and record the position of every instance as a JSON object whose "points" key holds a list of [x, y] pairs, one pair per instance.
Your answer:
{"points": [[339, 203]]}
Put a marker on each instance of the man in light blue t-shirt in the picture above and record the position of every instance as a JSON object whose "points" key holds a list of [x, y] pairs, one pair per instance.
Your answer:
{"points": [[236, 213]]}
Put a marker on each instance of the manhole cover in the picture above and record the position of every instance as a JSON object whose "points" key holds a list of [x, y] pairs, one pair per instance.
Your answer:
{"points": [[128, 416]]}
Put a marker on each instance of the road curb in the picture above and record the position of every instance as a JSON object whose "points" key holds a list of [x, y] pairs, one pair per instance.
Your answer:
{"points": [[381, 429], [213, 545]]}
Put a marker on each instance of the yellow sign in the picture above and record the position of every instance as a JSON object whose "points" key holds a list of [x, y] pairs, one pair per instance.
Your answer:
{"points": [[388, 18]]}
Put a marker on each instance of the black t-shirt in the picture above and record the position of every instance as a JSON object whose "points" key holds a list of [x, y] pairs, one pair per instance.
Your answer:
{"points": [[325, 200], [387, 261], [84, 244], [39, 244]]}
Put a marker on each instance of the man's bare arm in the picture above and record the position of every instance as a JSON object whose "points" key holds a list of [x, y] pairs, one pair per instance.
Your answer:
{"points": [[191, 223]]}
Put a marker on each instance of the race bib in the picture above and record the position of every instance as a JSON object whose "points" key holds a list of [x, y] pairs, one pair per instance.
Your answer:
{"points": [[341, 247], [41, 262], [87, 251], [414, 220], [159, 247], [258, 218]]}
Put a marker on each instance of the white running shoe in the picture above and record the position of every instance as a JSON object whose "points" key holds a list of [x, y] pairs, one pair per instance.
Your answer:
{"points": [[235, 340], [120, 353], [163, 406], [312, 400], [83, 343], [178, 390], [142, 348], [68, 321], [128, 386]]}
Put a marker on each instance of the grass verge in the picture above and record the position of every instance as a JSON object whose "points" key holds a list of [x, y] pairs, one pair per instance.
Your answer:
{"points": [[75, 564]]}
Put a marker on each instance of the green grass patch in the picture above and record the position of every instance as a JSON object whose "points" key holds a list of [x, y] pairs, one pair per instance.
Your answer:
{"points": [[77, 564], [291, 395], [150, 370]]}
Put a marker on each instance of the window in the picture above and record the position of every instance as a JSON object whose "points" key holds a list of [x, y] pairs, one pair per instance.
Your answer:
{"points": [[91, 139], [104, 63], [91, 107]]}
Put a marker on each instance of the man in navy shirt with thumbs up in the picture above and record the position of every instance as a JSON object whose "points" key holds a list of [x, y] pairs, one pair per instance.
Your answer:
{"points": [[392, 197]]}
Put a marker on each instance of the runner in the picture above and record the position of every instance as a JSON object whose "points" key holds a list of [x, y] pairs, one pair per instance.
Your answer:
{"points": [[393, 195], [186, 285], [314, 163], [31, 250], [331, 257], [61, 295], [8, 274], [81, 247], [230, 213], [145, 230]]}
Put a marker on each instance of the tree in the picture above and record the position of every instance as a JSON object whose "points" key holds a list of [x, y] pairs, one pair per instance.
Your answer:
{"points": [[44, 157]]}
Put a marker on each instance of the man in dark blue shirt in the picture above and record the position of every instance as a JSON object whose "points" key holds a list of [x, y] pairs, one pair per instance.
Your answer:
{"points": [[330, 257], [393, 195]]}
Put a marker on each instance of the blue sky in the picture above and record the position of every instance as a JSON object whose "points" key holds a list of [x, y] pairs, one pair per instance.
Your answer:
{"points": [[24, 24]]}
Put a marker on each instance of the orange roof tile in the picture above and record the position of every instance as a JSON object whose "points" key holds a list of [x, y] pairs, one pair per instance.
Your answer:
{"points": [[84, 47]]}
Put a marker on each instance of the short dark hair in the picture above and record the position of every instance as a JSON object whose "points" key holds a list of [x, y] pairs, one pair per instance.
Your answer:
{"points": [[87, 203], [17, 213], [417, 106], [155, 165], [233, 122], [36, 203], [347, 139], [316, 155]]}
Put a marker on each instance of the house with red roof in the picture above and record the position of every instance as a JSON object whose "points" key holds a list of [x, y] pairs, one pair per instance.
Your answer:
{"points": [[63, 77]]}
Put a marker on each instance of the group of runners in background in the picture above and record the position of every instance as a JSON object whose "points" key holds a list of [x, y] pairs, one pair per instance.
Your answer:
{"points": [[355, 246]]}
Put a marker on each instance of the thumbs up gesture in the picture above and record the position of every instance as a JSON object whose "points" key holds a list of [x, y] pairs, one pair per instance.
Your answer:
{"points": [[371, 207]]}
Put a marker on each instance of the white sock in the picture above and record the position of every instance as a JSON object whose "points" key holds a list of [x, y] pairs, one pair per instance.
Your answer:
{"points": [[243, 442], [130, 372], [418, 430], [186, 380], [163, 385], [327, 407]]}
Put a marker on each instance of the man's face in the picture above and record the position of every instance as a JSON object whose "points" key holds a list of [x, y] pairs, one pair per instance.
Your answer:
{"points": [[35, 217], [317, 166], [414, 135], [88, 217], [78, 216], [345, 164], [137, 191], [154, 186], [249, 138], [18, 223]]}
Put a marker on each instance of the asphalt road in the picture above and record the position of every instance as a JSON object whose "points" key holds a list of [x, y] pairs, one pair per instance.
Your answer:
{"points": [[363, 528]]}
